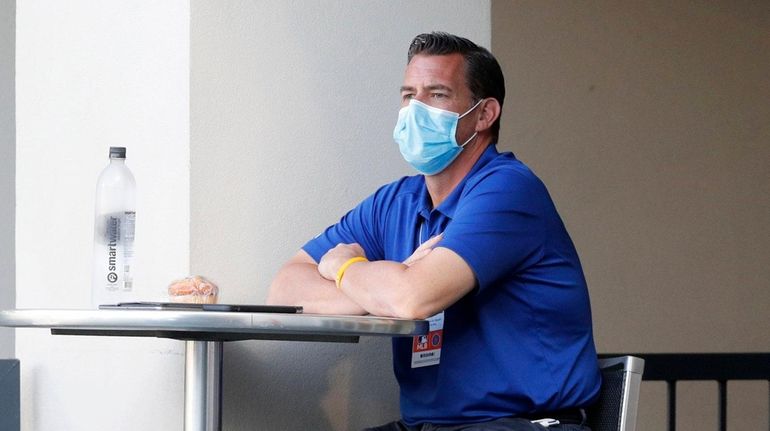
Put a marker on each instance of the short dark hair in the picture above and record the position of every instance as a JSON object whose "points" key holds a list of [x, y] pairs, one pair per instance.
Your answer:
{"points": [[483, 74]]}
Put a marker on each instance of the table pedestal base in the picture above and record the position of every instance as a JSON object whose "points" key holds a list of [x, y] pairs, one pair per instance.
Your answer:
{"points": [[203, 386]]}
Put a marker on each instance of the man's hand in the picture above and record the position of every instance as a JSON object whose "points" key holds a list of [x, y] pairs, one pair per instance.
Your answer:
{"points": [[423, 250], [333, 259], [299, 283]]}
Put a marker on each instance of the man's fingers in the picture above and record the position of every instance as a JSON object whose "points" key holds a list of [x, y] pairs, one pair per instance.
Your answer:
{"points": [[423, 250], [431, 242], [335, 257], [417, 255]]}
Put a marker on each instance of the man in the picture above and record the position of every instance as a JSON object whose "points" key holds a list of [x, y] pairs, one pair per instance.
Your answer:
{"points": [[476, 245]]}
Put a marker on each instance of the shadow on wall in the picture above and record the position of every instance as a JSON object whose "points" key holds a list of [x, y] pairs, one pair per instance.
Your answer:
{"points": [[339, 399]]}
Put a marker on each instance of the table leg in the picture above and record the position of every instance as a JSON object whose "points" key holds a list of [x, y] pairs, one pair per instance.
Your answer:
{"points": [[203, 386]]}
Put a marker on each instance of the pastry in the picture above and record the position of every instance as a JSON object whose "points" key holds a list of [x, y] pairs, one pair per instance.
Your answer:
{"points": [[194, 290]]}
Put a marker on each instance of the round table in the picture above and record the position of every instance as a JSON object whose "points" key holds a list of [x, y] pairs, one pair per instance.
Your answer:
{"points": [[204, 333]]}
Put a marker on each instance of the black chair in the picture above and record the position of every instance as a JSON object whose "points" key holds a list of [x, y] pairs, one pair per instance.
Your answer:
{"points": [[617, 405], [720, 367]]}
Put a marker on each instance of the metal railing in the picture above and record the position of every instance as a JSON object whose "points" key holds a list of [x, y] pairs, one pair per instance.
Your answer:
{"points": [[719, 367]]}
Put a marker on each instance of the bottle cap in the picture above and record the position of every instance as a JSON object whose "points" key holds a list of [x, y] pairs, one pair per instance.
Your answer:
{"points": [[117, 152]]}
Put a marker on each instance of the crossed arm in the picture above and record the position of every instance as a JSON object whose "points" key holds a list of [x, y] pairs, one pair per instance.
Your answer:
{"points": [[429, 281]]}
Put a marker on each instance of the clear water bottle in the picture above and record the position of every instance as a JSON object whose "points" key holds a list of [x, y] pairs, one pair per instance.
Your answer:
{"points": [[114, 228]]}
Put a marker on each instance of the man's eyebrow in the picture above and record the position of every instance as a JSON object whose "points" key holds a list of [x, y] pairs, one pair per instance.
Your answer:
{"points": [[427, 87], [438, 87]]}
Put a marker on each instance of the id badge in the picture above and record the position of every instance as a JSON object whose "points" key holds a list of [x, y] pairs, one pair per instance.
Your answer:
{"points": [[426, 349]]}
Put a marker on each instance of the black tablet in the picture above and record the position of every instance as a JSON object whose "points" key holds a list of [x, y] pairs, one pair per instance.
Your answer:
{"points": [[181, 306]]}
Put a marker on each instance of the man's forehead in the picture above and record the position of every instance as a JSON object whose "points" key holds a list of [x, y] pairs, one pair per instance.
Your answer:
{"points": [[435, 71], [436, 63]]}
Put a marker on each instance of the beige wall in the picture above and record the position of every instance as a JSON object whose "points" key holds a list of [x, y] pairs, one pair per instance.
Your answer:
{"points": [[650, 123]]}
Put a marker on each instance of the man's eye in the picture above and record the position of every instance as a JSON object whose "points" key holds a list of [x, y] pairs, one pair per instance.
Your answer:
{"points": [[438, 95], [407, 96]]}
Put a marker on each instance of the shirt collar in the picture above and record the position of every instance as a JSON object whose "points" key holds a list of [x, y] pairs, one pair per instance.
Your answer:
{"points": [[450, 203]]}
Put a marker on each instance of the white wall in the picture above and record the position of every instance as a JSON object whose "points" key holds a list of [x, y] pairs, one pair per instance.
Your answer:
{"points": [[292, 110], [91, 74], [7, 168]]}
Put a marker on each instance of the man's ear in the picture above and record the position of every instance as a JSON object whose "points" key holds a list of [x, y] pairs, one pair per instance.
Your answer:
{"points": [[490, 112]]}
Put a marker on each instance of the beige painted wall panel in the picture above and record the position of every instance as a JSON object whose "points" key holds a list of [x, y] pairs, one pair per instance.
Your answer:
{"points": [[650, 123]]}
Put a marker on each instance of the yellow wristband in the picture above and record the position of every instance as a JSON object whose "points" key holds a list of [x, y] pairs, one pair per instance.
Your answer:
{"points": [[345, 266]]}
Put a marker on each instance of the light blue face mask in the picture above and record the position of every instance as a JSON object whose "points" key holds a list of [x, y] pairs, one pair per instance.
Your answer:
{"points": [[426, 136]]}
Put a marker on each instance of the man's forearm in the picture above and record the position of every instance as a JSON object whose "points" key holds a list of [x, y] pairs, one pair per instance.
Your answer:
{"points": [[413, 291], [299, 283], [382, 288]]}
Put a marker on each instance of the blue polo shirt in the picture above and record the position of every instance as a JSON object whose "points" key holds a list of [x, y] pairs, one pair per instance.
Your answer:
{"points": [[521, 341]]}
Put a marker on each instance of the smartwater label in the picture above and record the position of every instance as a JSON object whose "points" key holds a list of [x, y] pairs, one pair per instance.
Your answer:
{"points": [[115, 250]]}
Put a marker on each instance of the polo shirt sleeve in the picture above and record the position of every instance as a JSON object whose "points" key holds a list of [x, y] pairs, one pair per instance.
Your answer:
{"points": [[499, 226], [359, 225]]}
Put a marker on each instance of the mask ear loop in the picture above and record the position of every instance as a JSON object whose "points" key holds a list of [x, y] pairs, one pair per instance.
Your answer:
{"points": [[469, 139], [473, 136], [472, 108]]}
